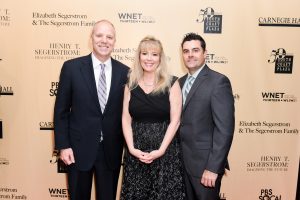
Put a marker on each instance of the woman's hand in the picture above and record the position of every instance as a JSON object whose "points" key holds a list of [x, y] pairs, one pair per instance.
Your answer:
{"points": [[138, 153], [149, 157]]}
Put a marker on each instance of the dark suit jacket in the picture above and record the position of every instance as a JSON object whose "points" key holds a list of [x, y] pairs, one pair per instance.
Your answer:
{"points": [[207, 123], [78, 120]]}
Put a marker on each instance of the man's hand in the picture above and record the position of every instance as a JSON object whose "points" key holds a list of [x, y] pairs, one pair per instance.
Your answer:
{"points": [[209, 178], [67, 156]]}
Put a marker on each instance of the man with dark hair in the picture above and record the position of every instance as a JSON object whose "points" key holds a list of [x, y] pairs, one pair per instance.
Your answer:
{"points": [[87, 117], [207, 122]]}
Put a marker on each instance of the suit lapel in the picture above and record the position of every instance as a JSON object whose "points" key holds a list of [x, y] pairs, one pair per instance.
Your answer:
{"points": [[115, 79], [199, 80], [89, 77], [182, 80]]}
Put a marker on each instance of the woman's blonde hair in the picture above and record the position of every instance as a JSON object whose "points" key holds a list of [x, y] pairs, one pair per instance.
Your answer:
{"points": [[162, 77]]}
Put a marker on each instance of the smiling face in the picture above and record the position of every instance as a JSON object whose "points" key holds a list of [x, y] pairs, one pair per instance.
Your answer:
{"points": [[193, 55], [149, 59], [103, 40]]}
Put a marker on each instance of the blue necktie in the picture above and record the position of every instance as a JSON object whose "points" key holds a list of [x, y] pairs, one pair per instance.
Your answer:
{"points": [[190, 81]]}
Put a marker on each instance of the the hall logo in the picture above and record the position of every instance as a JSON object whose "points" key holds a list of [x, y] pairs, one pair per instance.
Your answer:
{"points": [[267, 194], [46, 126], [279, 21], [135, 17], [53, 89], [61, 166], [6, 90], [57, 51], [211, 19], [278, 97], [59, 192], [283, 61], [4, 17]]}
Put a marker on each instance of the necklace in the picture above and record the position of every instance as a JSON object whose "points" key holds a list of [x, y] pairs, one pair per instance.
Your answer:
{"points": [[147, 84]]}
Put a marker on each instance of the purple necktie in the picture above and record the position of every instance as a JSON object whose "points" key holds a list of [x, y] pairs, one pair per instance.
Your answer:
{"points": [[101, 90]]}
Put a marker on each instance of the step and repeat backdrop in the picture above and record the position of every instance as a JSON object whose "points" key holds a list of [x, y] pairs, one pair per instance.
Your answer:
{"points": [[255, 43]]}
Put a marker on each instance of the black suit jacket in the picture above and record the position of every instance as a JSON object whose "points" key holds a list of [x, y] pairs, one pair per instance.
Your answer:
{"points": [[207, 123], [78, 120]]}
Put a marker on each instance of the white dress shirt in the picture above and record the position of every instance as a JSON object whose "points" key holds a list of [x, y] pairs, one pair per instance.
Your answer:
{"points": [[107, 71]]}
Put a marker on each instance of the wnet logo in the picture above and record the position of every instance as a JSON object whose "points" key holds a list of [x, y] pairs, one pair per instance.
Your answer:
{"points": [[59, 192], [278, 97]]}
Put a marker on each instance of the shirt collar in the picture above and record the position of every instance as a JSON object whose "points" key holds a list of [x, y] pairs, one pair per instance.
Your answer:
{"points": [[197, 72], [97, 62]]}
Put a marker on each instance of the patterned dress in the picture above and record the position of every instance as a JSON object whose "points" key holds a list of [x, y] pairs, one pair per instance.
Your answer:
{"points": [[163, 178]]}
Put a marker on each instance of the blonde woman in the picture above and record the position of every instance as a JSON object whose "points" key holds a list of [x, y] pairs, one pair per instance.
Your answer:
{"points": [[151, 116]]}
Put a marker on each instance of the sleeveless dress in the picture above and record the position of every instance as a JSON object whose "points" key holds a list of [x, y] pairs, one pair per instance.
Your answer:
{"points": [[163, 178]]}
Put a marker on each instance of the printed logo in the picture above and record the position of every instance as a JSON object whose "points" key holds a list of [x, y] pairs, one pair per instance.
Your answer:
{"points": [[124, 54], [6, 90], [46, 126], [269, 164], [265, 127], [278, 97], [215, 59], [212, 20], [267, 194], [279, 21], [53, 89], [11, 193], [59, 192], [4, 17], [135, 17], [57, 51], [60, 20], [61, 167], [283, 61]]}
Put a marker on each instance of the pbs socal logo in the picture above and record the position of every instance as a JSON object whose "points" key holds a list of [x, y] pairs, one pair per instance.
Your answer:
{"points": [[211, 19], [267, 194], [53, 89], [283, 61]]}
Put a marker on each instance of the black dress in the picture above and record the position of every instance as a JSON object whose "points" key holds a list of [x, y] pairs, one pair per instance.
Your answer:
{"points": [[163, 178]]}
